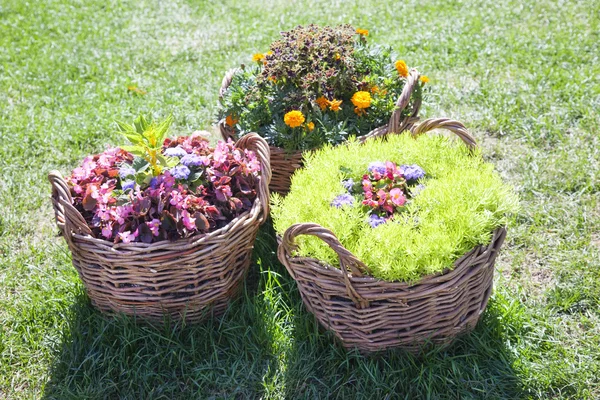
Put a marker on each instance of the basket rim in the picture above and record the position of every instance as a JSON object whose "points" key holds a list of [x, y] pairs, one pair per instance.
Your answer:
{"points": [[396, 285]]}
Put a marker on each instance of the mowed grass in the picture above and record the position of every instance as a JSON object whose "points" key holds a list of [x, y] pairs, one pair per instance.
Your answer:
{"points": [[523, 75]]}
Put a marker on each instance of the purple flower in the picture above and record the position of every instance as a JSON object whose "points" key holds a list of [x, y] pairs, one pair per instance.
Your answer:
{"points": [[412, 172], [348, 184], [377, 166], [191, 160], [180, 172], [154, 183], [417, 189], [126, 170], [375, 220], [175, 152], [342, 200], [128, 185]]}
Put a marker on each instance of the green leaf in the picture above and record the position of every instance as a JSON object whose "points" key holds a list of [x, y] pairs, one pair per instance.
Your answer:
{"points": [[135, 150], [194, 176], [141, 124], [139, 164], [167, 162]]}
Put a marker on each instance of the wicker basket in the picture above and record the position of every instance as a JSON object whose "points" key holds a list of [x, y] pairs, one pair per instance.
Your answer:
{"points": [[184, 279], [371, 314], [284, 163]]}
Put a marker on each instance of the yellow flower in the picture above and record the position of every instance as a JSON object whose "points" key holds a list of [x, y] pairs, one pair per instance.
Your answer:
{"points": [[258, 57], [269, 53], [363, 32], [334, 105], [231, 121], [293, 119], [272, 79], [337, 56], [424, 79], [402, 68], [310, 126], [360, 111], [322, 102], [361, 99]]}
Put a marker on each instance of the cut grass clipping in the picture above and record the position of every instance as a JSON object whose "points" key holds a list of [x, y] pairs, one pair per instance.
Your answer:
{"points": [[463, 201]]}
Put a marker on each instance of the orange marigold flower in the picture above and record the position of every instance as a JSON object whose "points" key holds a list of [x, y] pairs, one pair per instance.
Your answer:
{"points": [[360, 111], [424, 79], [337, 56], [361, 99], [375, 89], [402, 68], [294, 119], [231, 121], [258, 57], [322, 103], [272, 79], [363, 32], [334, 105], [310, 126]]}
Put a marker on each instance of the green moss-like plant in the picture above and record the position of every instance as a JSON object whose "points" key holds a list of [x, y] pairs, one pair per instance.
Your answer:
{"points": [[463, 201]]}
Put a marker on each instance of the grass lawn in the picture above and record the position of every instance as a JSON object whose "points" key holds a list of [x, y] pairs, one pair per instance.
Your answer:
{"points": [[523, 75]]}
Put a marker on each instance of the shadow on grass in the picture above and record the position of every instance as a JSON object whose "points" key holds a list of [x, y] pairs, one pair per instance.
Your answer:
{"points": [[266, 345], [118, 357]]}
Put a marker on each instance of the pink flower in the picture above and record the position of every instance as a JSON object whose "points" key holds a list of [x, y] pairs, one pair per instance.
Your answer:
{"points": [[382, 196], [397, 197], [127, 236], [223, 192], [107, 231], [154, 225], [188, 221]]}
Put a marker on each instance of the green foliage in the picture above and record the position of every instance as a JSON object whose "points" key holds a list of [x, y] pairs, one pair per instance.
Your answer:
{"points": [[463, 201], [146, 140], [309, 65]]}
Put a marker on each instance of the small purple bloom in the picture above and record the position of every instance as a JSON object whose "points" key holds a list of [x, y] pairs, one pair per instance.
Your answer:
{"points": [[348, 184], [412, 172], [375, 220], [191, 160], [342, 200], [180, 172], [417, 189], [128, 185], [175, 152], [126, 170], [377, 166], [154, 183]]}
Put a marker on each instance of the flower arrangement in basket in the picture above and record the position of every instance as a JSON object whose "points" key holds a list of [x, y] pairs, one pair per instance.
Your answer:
{"points": [[164, 226], [395, 245], [317, 86]]}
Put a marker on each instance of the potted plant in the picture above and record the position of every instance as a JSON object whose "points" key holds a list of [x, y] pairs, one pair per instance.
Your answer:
{"points": [[164, 226], [317, 86], [393, 243]]}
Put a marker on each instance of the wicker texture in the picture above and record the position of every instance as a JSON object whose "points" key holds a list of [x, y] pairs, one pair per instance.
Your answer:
{"points": [[184, 279], [371, 314], [284, 163]]}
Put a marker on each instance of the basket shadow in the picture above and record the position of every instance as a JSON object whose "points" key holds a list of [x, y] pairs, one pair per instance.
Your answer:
{"points": [[121, 357], [476, 365]]}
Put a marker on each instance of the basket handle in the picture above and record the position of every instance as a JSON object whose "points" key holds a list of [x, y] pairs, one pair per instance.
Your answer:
{"points": [[67, 217], [456, 127], [252, 141], [226, 131], [348, 261], [395, 125]]}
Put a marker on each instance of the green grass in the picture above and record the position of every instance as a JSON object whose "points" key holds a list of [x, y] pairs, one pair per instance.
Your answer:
{"points": [[523, 75]]}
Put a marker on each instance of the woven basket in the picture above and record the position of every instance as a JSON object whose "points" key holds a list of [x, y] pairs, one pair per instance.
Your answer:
{"points": [[184, 279], [371, 314], [284, 163]]}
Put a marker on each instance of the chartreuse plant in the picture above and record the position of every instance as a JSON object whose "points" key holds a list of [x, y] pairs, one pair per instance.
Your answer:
{"points": [[146, 142], [402, 232]]}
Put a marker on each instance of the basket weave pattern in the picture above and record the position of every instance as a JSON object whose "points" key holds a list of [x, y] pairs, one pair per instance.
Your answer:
{"points": [[284, 163], [184, 279], [372, 314]]}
